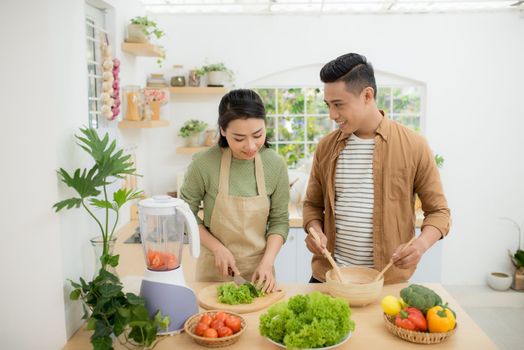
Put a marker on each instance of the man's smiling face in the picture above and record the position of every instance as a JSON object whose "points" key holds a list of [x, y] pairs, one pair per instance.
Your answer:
{"points": [[346, 108]]}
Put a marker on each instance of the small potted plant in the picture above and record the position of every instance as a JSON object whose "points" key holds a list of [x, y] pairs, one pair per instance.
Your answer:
{"points": [[191, 131], [141, 29], [217, 74], [109, 312]]}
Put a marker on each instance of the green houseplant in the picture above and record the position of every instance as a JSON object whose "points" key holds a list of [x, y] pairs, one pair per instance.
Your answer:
{"points": [[108, 310], [141, 30], [191, 130], [217, 74]]}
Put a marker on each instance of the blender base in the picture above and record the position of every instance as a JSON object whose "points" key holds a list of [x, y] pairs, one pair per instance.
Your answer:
{"points": [[171, 296]]}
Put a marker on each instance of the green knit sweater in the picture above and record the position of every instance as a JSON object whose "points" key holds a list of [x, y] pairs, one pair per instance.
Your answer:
{"points": [[202, 178]]}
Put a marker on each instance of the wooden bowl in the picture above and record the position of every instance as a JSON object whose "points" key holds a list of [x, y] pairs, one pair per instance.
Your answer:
{"points": [[359, 287], [191, 323]]}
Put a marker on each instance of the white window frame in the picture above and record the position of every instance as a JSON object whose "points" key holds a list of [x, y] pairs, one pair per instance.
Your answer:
{"points": [[95, 19], [305, 115]]}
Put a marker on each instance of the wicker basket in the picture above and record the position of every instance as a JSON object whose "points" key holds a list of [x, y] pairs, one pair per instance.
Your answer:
{"points": [[192, 322], [417, 337]]}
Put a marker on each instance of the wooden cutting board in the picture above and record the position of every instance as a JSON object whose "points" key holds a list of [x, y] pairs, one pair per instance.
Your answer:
{"points": [[207, 298]]}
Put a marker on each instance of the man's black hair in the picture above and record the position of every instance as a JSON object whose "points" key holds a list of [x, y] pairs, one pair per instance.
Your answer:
{"points": [[353, 69]]}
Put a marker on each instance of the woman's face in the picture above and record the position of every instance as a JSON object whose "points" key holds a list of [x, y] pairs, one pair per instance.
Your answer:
{"points": [[245, 137]]}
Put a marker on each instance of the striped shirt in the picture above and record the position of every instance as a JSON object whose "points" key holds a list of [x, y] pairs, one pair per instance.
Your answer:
{"points": [[354, 203]]}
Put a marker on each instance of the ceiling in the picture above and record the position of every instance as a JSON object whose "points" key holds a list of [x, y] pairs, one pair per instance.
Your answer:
{"points": [[268, 7]]}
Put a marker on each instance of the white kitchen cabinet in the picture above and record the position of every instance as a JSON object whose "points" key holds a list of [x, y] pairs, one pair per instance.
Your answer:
{"points": [[293, 263]]}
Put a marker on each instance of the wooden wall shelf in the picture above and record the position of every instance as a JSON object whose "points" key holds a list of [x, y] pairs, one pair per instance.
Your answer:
{"points": [[144, 124], [189, 150], [203, 90], [142, 49]]}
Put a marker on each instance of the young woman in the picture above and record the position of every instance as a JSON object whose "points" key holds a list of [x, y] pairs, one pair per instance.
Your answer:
{"points": [[245, 190]]}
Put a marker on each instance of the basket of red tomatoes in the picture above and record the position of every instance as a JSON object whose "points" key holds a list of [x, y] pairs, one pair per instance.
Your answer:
{"points": [[215, 328]]}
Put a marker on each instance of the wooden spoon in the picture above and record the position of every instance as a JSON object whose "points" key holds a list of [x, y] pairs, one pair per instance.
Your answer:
{"points": [[328, 256], [379, 276]]}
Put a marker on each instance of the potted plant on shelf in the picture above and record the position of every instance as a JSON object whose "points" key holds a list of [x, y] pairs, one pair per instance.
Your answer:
{"points": [[517, 258], [109, 312], [191, 131], [217, 74], [141, 29]]}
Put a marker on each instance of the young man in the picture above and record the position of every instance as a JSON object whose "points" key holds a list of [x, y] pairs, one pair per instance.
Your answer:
{"points": [[361, 192]]}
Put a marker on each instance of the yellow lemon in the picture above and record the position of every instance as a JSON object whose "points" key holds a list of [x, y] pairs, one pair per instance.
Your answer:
{"points": [[390, 305]]}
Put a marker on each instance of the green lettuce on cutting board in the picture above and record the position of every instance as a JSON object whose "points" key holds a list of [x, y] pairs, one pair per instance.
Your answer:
{"points": [[308, 321], [230, 293]]}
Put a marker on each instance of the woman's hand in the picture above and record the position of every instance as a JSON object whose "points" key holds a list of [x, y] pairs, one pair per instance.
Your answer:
{"points": [[224, 260], [263, 277]]}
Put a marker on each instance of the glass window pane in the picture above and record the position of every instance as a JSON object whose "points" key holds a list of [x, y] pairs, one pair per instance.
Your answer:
{"points": [[406, 100], [90, 30], [92, 69], [312, 147], [92, 88], [290, 101], [268, 98], [384, 99], [91, 50], [93, 106], [315, 101], [412, 122], [292, 153], [270, 129], [291, 128], [318, 127]]}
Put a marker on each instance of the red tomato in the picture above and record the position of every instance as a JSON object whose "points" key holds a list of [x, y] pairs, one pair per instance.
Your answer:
{"points": [[206, 319], [224, 332], [210, 333], [216, 324], [233, 323], [201, 328], [221, 316]]}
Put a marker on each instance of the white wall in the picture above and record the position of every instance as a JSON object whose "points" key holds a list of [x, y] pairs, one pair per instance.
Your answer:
{"points": [[44, 99], [471, 63]]}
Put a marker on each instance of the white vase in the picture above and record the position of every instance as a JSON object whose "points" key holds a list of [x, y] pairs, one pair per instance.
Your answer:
{"points": [[135, 34], [193, 140], [217, 78]]}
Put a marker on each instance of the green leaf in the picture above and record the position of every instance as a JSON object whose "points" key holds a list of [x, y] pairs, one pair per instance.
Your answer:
{"points": [[100, 203], [75, 294], [113, 261], [139, 312], [91, 323], [134, 299], [74, 284], [102, 329], [110, 290], [68, 204], [102, 343], [84, 182], [122, 196]]}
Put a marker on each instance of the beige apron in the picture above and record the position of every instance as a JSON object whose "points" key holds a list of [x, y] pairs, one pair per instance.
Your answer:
{"points": [[240, 223]]}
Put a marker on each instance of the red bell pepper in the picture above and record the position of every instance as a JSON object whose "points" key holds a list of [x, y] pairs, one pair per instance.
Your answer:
{"points": [[412, 319]]}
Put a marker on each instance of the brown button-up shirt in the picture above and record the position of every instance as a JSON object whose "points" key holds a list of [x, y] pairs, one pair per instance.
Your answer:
{"points": [[403, 165]]}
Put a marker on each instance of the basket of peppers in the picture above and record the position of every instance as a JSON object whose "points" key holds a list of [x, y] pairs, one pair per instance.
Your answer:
{"points": [[419, 316]]}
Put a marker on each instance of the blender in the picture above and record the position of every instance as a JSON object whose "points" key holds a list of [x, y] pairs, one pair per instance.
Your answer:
{"points": [[162, 221]]}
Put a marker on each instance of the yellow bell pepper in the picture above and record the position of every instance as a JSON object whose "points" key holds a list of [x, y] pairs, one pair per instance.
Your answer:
{"points": [[440, 319]]}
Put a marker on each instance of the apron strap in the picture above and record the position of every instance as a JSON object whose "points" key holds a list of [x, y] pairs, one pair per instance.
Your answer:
{"points": [[225, 165], [259, 174]]}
